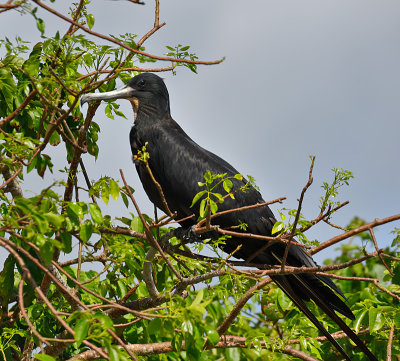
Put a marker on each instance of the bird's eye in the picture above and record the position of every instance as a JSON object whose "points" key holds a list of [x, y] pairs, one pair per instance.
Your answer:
{"points": [[142, 83]]}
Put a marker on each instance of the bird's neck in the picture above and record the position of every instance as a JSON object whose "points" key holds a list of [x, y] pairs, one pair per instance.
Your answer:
{"points": [[151, 112]]}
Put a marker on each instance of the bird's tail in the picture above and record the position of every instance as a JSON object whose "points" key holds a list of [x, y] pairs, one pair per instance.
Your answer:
{"points": [[304, 287]]}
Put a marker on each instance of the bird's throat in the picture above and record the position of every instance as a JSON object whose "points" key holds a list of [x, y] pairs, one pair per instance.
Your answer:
{"points": [[135, 105]]}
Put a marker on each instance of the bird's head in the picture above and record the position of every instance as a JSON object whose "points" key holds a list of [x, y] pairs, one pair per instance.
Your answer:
{"points": [[145, 90]]}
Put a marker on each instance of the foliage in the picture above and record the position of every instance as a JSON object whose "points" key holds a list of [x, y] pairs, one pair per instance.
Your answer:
{"points": [[96, 296]]}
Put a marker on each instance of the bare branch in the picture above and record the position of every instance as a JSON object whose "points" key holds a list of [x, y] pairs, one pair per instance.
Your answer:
{"points": [[353, 232]]}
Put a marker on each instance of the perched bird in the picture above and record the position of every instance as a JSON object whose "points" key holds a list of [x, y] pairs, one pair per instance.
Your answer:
{"points": [[178, 164]]}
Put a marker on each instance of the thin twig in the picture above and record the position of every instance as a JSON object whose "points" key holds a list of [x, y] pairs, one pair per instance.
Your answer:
{"points": [[160, 191], [371, 231], [157, 15], [297, 217], [122, 45], [353, 232]]}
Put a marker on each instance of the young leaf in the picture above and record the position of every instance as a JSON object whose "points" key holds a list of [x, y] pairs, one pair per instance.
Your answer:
{"points": [[114, 189], [202, 210], [277, 227], [227, 184], [208, 177], [213, 207], [197, 197], [90, 20]]}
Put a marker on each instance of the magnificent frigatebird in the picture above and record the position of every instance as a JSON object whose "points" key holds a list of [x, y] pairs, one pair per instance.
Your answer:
{"points": [[178, 164]]}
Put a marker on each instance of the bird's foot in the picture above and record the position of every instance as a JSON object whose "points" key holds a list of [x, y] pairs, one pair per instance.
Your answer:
{"points": [[189, 235]]}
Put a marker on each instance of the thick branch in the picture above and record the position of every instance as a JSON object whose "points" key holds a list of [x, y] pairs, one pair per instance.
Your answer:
{"points": [[226, 341]]}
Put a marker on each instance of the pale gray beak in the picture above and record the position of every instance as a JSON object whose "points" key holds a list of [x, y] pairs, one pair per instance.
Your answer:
{"points": [[124, 92]]}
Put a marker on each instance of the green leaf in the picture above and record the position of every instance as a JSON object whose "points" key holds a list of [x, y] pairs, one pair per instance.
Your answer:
{"points": [[137, 225], [282, 301], [32, 165], [187, 326], [105, 194], [90, 20], [43, 357], [108, 111], [213, 336], [177, 341], [208, 177], [199, 297], [358, 320], [55, 219], [278, 226], [376, 319], [114, 189], [197, 197], [86, 231], [154, 326], [227, 184], [7, 279], [396, 277], [46, 252], [213, 207], [81, 330], [113, 353], [95, 212], [76, 209], [232, 354], [66, 239], [202, 210], [121, 289], [125, 200], [40, 25]]}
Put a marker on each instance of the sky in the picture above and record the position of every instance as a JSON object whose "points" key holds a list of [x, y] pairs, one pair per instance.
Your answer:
{"points": [[300, 78]]}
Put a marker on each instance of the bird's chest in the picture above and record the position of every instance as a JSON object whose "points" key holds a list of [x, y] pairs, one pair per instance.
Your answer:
{"points": [[150, 162]]}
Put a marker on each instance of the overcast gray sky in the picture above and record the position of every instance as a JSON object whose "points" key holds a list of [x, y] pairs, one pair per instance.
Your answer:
{"points": [[300, 77]]}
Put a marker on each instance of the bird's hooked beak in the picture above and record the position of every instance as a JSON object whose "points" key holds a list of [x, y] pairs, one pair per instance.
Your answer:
{"points": [[126, 92]]}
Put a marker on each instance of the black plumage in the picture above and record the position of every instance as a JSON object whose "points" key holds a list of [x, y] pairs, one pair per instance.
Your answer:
{"points": [[178, 164]]}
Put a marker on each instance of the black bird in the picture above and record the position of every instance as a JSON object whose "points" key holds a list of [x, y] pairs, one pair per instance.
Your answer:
{"points": [[178, 164]]}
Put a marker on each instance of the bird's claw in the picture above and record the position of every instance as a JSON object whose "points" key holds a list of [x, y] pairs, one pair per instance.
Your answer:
{"points": [[187, 234]]}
